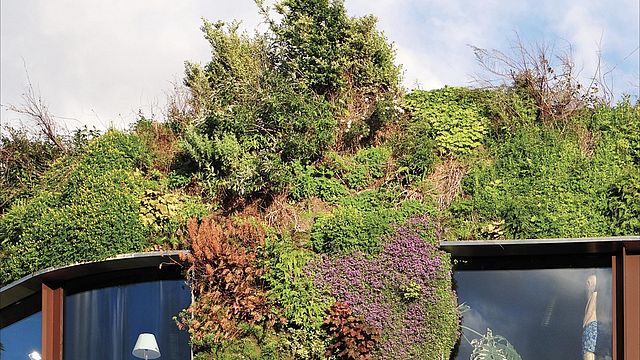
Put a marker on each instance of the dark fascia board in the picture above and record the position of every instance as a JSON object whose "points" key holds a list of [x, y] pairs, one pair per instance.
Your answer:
{"points": [[32, 284], [540, 247]]}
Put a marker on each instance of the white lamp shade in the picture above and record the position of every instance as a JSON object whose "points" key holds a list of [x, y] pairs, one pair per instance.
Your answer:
{"points": [[146, 347], [34, 355]]}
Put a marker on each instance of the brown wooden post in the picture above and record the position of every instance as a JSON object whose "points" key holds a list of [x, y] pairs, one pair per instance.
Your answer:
{"points": [[615, 297], [631, 283], [52, 307]]}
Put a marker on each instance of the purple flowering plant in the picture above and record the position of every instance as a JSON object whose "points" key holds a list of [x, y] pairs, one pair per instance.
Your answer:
{"points": [[423, 325]]}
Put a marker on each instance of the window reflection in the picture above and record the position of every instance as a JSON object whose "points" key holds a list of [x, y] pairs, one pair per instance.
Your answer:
{"points": [[538, 314], [21, 338], [108, 321]]}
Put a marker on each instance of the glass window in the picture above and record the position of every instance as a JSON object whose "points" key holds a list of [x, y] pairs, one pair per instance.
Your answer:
{"points": [[106, 322], [22, 337], [538, 314]]}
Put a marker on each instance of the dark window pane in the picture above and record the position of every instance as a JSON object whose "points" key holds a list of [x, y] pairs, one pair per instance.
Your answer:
{"points": [[108, 321], [21, 338], [541, 312]]}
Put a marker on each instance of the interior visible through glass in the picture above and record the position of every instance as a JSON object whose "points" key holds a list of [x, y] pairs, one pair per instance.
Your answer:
{"points": [[536, 314], [105, 323], [21, 338]]}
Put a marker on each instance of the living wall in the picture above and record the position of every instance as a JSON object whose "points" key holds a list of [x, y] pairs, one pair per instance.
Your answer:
{"points": [[99, 201], [312, 193]]}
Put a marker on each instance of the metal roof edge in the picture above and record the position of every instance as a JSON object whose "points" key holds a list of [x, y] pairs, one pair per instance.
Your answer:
{"points": [[31, 284], [548, 246]]}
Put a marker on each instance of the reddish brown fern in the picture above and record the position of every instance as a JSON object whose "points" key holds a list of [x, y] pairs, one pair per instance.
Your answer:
{"points": [[226, 280]]}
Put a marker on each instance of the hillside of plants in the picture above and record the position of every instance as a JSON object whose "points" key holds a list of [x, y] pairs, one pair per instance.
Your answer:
{"points": [[312, 191]]}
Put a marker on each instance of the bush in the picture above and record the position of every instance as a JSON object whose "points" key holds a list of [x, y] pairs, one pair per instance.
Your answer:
{"points": [[542, 181], [351, 338], [329, 179], [357, 226], [311, 181], [85, 208], [22, 161], [331, 51], [623, 205], [256, 123]]}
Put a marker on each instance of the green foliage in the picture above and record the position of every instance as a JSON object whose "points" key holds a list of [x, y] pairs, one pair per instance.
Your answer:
{"points": [[411, 291], [361, 222], [166, 214], [304, 344], [256, 121], [450, 116], [331, 51], [22, 161], [539, 185], [368, 164], [619, 128], [624, 204], [271, 100], [92, 204], [310, 181], [85, 208], [330, 178], [291, 289], [543, 181]]}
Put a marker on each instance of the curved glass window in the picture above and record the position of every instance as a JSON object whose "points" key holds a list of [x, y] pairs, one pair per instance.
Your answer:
{"points": [[108, 321], [22, 337], [538, 314]]}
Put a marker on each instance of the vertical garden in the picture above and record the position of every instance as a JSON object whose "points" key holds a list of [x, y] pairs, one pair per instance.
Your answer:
{"points": [[312, 191]]}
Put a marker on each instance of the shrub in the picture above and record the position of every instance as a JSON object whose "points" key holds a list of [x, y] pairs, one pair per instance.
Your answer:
{"points": [[623, 205], [311, 181], [86, 207], [331, 51], [546, 181], [226, 282], [256, 121], [22, 162], [349, 228], [450, 117], [351, 338]]}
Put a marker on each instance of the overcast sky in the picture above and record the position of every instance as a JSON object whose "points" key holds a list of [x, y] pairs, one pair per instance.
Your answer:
{"points": [[98, 63]]}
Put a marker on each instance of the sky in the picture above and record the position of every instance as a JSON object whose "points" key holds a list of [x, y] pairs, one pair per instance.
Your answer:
{"points": [[99, 63]]}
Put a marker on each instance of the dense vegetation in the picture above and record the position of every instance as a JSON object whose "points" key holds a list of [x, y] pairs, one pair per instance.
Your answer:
{"points": [[312, 193]]}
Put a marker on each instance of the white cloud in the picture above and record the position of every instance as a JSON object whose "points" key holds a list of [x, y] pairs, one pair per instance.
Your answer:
{"points": [[100, 61]]}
